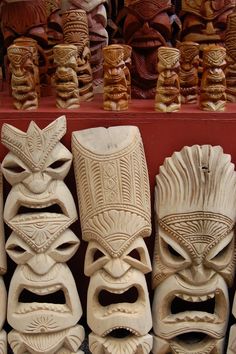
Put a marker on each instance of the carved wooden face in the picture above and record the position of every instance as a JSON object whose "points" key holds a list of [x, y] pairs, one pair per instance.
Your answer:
{"points": [[117, 291]]}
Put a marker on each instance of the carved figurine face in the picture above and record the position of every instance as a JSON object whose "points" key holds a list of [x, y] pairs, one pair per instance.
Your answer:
{"points": [[39, 209], [194, 252], [21, 59], [65, 55], [189, 55], [205, 20]]}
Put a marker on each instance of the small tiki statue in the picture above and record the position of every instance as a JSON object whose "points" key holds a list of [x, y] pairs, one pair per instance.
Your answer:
{"points": [[188, 74], [232, 335], [115, 96], [113, 192], [75, 29], [168, 87], [97, 22], [194, 256], [43, 305], [213, 83], [230, 44], [23, 81], [3, 268], [66, 81]]}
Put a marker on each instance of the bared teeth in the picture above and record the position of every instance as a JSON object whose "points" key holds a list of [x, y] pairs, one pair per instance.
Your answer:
{"points": [[192, 298], [191, 317]]}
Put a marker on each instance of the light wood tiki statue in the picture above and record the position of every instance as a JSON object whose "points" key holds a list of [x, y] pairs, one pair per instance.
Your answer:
{"points": [[3, 269], [188, 74], [115, 95], [213, 83], [43, 303], [66, 81], [23, 79], [194, 255], [75, 30], [232, 335], [168, 87], [230, 45], [113, 191]]}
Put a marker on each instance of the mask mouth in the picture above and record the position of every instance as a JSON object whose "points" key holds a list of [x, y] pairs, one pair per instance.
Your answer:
{"points": [[109, 298], [209, 308], [51, 298], [46, 208], [121, 332]]}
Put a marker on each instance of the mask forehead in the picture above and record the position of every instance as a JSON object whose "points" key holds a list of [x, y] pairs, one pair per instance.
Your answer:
{"points": [[207, 9]]}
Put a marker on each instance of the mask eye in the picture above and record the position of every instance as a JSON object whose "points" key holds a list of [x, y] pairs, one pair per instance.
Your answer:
{"points": [[222, 254], [18, 250], [138, 257], [58, 164], [64, 247], [95, 258], [135, 254], [14, 170], [172, 254], [97, 255]]}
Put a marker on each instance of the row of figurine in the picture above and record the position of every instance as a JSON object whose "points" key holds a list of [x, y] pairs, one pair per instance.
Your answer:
{"points": [[172, 87], [145, 25], [194, 254]]}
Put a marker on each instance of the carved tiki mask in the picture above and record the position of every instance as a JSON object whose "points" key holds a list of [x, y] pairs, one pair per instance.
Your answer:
{"points": [[113, 191], [146, 28], [3, 269], [39, 209], [204, 21], [194, 250]]}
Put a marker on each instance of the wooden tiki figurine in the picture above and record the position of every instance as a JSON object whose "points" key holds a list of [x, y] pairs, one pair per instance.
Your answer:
{"points": [[232, 334], [3, 269], [97, 22], [168, 87], [43, 303], [194, 256], [213, 83], [147, 27], [66, 81], [115, 95], [75, 30], [188, 74], [113, 192], [23, 80], [230, 71]]}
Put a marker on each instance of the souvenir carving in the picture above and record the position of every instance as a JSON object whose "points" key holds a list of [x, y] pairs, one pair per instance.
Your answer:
{"points": [[232, 335], [23, 76], [24, 18], [75, 29], [3, 268], [54, 22], [213, 83], [188, 74], [194, 251], [168, 87], [43, 303], [115, 95], [97, 22], [147, 27], [113, 191], [230, 72], [204, 21], [66, 81]]}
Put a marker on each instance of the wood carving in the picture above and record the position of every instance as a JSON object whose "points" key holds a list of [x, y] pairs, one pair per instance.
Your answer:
{"points": [[43, 304], [213, 83], [232, 335], [188, 74], [147, 27], [97, 22], [66, 81], [75, 30], [168, 86], [127, 59], [230, 72], [54, 22], [115, 95], [114, 200], [205, 21], [23, 76], [3, 269], [194, 256]]}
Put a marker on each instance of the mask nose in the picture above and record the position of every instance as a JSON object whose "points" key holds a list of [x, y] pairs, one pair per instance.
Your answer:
{"points": [[41, 263], [37, 182], [116, 267]]}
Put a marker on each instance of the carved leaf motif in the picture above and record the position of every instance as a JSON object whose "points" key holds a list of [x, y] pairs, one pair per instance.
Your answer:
{"points": [[43, 324], [34, 142]]}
